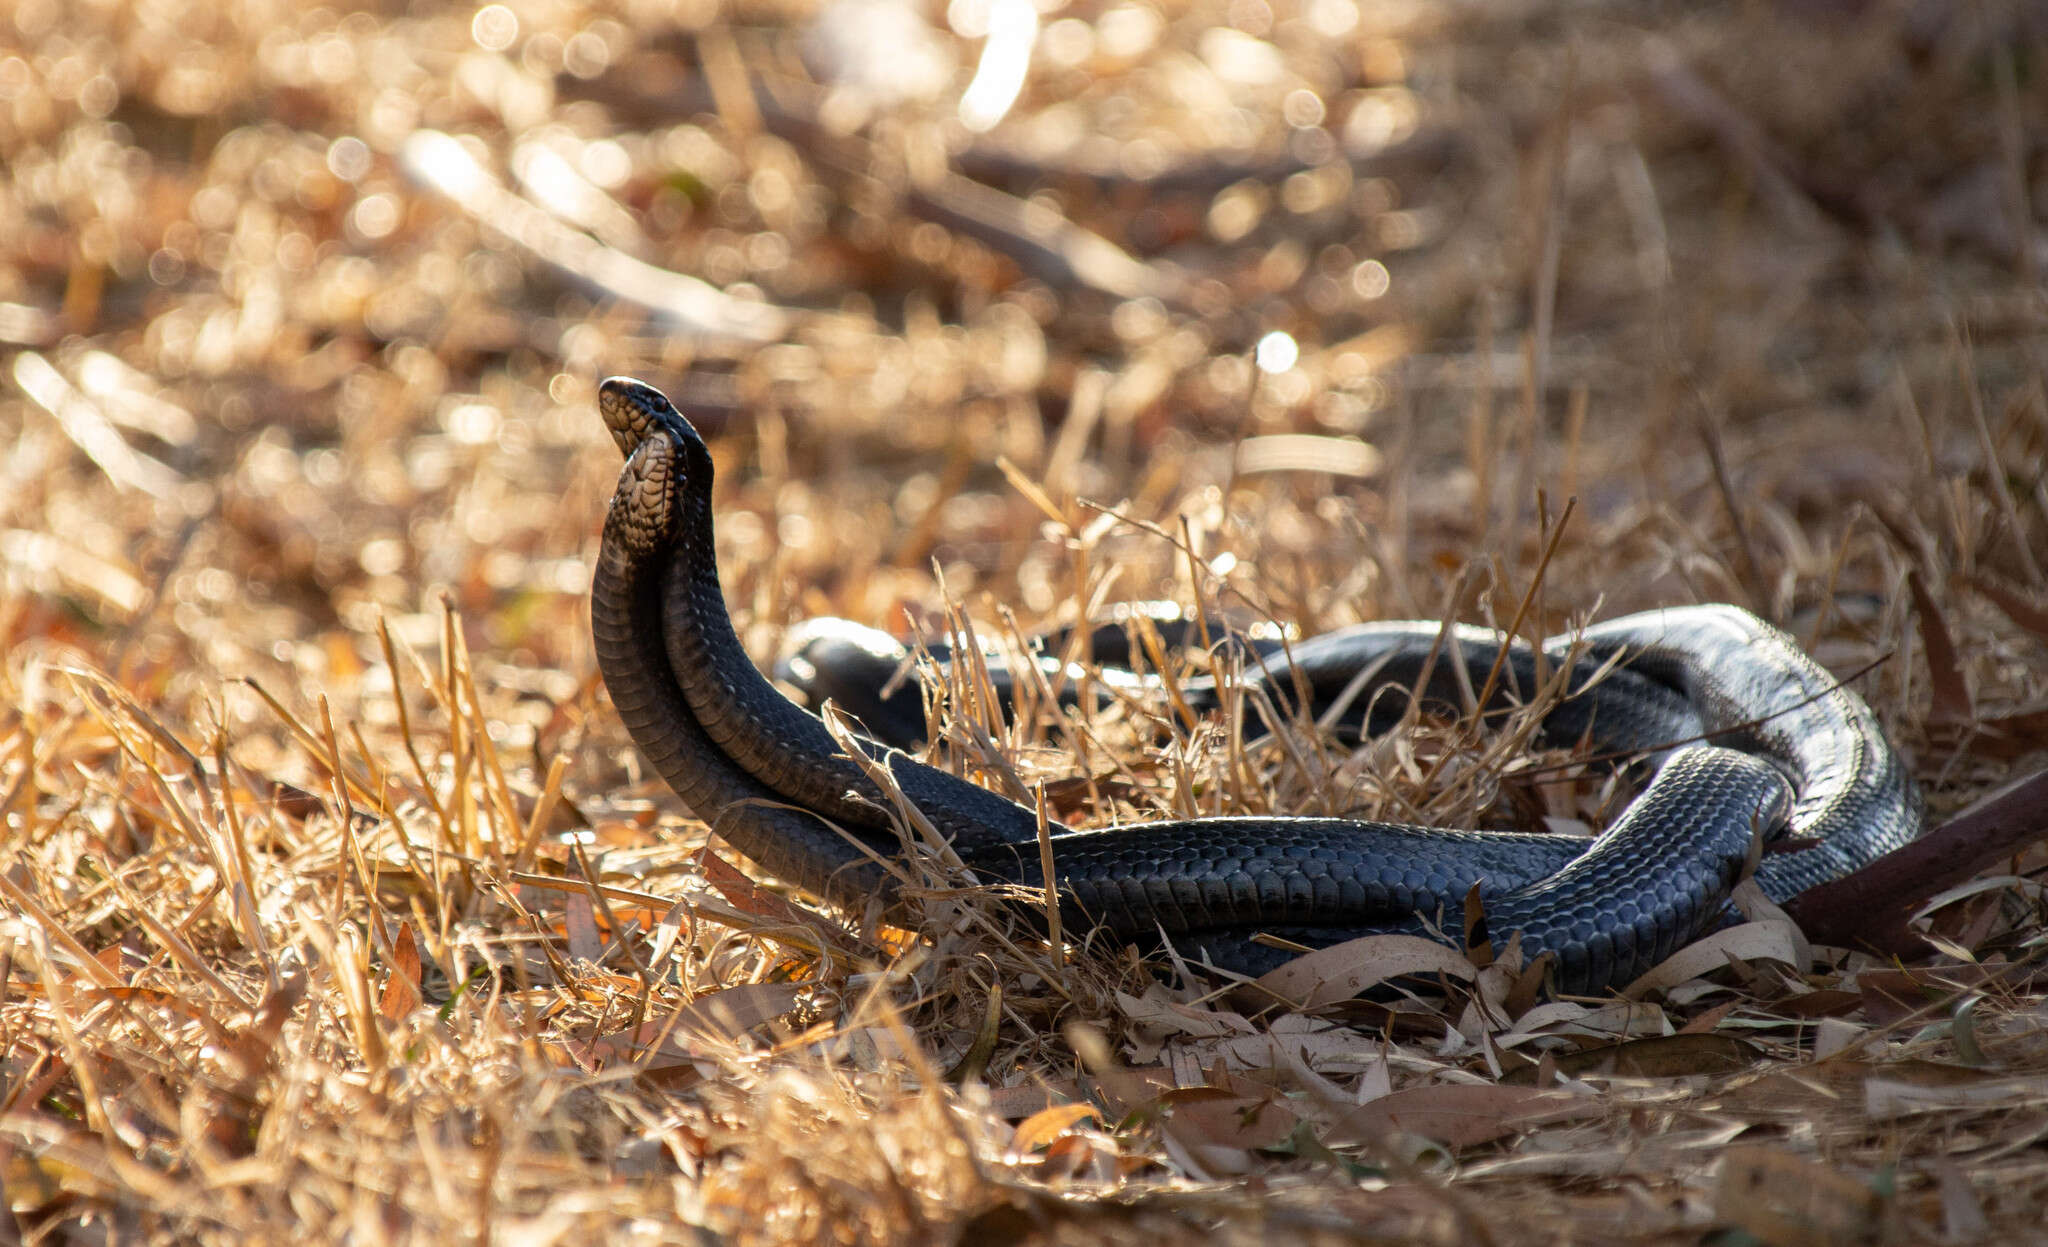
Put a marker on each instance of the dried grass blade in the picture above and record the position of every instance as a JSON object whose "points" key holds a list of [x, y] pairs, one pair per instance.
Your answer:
{"points": [[419, 767], [1514, 628], [92, 966], [242, 881], [172, 943], [2027, 613], [1949, 691], [543, 813], [312, 744]]}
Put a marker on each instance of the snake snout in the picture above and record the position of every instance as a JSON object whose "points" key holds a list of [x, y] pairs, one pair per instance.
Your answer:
{"points": [[633, 411]]}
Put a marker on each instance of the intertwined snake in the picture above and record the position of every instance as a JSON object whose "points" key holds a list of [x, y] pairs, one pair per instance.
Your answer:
{"points": [[1795, 757]]}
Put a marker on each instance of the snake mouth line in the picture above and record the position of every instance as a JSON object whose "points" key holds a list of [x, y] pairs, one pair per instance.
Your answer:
{"points": [[765, 772]]}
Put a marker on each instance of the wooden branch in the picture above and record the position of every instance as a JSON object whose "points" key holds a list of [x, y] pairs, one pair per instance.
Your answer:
{"points": [[1870, 908]]}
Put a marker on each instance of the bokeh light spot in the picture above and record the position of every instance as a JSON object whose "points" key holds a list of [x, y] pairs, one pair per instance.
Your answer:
{"points": [[1277, 352], [494, 27]]}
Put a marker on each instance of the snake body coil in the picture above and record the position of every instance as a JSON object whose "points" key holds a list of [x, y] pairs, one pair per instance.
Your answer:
{"points": [[1796, 755]]}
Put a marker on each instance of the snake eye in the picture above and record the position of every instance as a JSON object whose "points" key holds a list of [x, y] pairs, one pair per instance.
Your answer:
{"points": [[634, 410]]}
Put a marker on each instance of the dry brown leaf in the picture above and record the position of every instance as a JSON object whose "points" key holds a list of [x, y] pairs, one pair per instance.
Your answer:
{"points": [[1889, 995], [579, 917], [1618, 1020], [1342, 971], [1047, 1124], [744, 894], [1325, 1097], [1664, 1056], [1962, 1213], [1949, 691], [1785, 1199], [729, 1013], [1212, 1116], [1822, 1002], [401, 994], [1203, 1160], [1155, 1012], [1459, 1116], [1078, 1155], [2013, 735], [1832, 1035], [1751, 941], [1886, 1098], [1705, 1023], [1025, 1099]]}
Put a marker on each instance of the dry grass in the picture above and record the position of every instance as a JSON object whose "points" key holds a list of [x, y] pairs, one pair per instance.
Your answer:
{"points": [[336, 906]]}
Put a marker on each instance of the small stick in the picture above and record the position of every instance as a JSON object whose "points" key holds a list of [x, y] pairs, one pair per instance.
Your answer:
{"points": [[1052, 895], [1752, 577], [1514, 628]]}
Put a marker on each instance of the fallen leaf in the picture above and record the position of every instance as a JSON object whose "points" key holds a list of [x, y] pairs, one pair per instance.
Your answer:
{"points": [[1458, 1116], [1170, 1016], [1751, 941], [401, 994], [1209, 1161], [1948, 691], [1622, 1019], [2013, 735], [2024, 611], [1047, 1124], [1664, 1056], [744, 894], [1889, 995], [1962, 1213], [1027, 1098], [1705, 1023], [1784, 1199], [1885, 1098], [1341, 971], [1832, 1035], [581, 919], [1224, 1119], [1826, 1002], [729, 1013]]}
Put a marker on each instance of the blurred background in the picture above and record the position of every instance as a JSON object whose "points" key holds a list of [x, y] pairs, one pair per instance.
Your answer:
{"points": [[1305, 310], [301, 308]]}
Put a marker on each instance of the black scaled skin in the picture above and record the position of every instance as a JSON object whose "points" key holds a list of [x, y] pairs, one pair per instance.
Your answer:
{"points": [[740, 754]]}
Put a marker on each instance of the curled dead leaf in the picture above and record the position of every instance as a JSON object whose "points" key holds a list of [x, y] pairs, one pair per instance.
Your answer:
{"points": [[1663, 1056], [1751, 941], [1458, 1115], [1342, 971], [1047, 1124]]}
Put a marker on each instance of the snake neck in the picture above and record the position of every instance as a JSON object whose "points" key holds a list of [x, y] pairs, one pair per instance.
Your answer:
{"points": [[625, 624], [764, 733], [777, 742]]}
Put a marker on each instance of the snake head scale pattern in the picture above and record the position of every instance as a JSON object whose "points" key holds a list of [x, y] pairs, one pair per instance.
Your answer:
{"points": [[642, 518], [633, 411]]}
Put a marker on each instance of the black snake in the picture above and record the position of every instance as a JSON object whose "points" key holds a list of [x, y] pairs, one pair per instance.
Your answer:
{"points": [[1796, 756]]}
